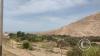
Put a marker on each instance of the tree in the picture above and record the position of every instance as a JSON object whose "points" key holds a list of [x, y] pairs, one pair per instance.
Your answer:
{"points": [[12, 35], [20, 34]]}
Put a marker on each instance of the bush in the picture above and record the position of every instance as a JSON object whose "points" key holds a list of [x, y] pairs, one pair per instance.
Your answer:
{"points": [[93, 51], [74, 52], [26, 45], [72, 41]]}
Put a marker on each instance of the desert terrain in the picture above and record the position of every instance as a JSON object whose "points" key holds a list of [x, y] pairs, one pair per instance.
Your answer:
{"points": [[58, 42]]}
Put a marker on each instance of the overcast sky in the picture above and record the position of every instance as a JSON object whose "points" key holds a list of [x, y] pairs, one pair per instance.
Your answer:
{"points": [[44, 15]]}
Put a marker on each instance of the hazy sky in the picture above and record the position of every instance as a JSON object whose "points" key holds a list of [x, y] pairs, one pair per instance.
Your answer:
{"points": [[43, 15]]}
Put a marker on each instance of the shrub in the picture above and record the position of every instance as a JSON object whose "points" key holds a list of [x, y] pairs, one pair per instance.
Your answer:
{"points": [[74, 52], [26, 45], [72, 41], [93, 51]]}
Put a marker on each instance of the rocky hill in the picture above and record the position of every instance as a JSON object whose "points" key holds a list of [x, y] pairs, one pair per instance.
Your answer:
{"points": [[88, 26]]}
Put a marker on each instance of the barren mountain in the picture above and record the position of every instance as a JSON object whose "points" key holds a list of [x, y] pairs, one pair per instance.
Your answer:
{"points": [[88, 26]]}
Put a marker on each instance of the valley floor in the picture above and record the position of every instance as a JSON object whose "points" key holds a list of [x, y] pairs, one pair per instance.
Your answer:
{"points": [[13, 50]]}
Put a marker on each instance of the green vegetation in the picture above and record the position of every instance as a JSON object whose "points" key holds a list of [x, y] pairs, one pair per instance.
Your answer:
{"points": [[39, 38], [92, 51], [74, 52], [61, 41], [12, 35], [27, 45]]}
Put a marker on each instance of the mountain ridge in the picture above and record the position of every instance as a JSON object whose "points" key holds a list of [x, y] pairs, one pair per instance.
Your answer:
{"points": [[88, 26]]}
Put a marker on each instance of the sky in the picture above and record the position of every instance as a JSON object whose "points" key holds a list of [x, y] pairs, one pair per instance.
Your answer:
{"points": [[45, 15]]}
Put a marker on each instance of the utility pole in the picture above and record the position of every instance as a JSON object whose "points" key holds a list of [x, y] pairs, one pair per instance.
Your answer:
{"points": [[1, 25]]}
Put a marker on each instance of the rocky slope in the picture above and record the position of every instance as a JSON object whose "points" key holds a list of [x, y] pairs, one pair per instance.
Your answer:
{"points": [[88, 26]]}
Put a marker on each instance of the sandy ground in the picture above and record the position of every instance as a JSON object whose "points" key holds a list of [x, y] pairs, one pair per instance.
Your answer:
{"points": [[12, 49]]}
